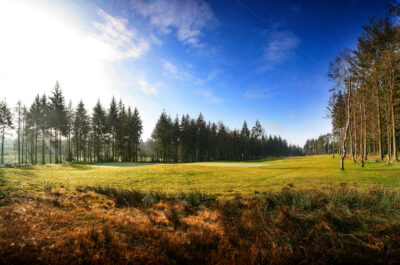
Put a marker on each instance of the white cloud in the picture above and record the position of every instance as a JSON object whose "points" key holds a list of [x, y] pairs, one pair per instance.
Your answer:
{"points": [[43, 41], [280, 45], [209, 98], [117, 40], [291, 116], [188, 18], [146, 87]]}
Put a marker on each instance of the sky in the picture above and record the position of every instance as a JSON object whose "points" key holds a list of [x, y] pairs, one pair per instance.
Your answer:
{"points": [[231, 60]]}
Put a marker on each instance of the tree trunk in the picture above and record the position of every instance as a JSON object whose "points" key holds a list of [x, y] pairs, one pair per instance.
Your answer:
{"points": [[43, 148], [22, 144], [364, 134], [36, 145], [391, 79], [113, 147], [32, 148], [378, 106], [361, 136], [19, 136], [50, 146], [2, 145], [389, 146], [393, 127], [60, 152], [355, 136], [56, 146], [346, 127]]}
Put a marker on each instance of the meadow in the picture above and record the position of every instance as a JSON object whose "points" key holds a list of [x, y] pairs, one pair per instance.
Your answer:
{"points": [[223, 179], [297, 210]]}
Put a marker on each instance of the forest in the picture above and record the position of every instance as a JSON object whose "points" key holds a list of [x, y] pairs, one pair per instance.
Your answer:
{"points": [[52, 131], [364, 104], [194, 140]]}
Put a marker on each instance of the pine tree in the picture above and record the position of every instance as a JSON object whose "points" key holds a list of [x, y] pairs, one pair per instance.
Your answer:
{"points": [[99, 127], [112, 119], [5, 122], [19, 111], [34, 114], [44, 124], [136, 132], [69, 128], [58, 119], [163, 135], [81, 129], [245, 140]]}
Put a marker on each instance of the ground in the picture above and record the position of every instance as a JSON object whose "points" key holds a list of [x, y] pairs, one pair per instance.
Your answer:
{"points": [[300, 210]]}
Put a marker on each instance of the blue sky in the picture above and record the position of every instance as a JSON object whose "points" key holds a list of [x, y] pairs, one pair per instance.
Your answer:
{"points": [[230, 60]]}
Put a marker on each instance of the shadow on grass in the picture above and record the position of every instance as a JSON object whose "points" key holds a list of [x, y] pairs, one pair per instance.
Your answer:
{"points": [[266, 159], [114, 164], [2, 177], [78, 166]]}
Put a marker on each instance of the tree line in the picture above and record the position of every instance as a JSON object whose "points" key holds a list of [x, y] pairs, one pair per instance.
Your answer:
{"points": [[324, 144], [51, 131], [364, 103], [194, 140]]}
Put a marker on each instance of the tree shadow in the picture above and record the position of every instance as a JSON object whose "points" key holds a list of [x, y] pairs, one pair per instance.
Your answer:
{"points": [[2, 177], [78, 166], [266, 159]]}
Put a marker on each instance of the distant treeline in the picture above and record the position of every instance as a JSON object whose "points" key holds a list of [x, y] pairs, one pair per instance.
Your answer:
{"points": [[51, 131], [192, 140], [364, 105], [324, 144]]}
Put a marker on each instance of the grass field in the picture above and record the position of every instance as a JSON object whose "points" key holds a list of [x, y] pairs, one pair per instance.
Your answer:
{"points": [[220, 178], [300, 210]]}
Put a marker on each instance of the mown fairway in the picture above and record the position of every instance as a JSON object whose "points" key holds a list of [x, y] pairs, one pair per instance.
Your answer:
{"points": [[220, 178]]}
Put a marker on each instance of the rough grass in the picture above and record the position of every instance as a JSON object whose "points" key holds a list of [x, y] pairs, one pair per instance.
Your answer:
{"points": [[89, 225], [223, 179]]}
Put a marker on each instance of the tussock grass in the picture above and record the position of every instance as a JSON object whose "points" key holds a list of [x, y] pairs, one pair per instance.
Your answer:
{"points": [[133, 198], [341, 225]]}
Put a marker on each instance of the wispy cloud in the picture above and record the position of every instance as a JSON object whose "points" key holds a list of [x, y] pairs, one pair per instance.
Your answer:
{"points": [[280, 45], [188, 18], [173, 71], [259, 93], [291, 116], [213, 74], [146, 87], [209, 98], [117, 40]]}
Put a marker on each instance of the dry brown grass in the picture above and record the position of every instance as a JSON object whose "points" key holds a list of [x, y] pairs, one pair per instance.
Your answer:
{"points": [[60, 226]]}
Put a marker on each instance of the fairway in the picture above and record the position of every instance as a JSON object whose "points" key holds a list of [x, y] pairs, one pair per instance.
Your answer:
{"points": [[223, 179]]}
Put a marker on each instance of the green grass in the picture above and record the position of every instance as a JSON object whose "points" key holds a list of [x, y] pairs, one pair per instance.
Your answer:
{"points": [[220, 178]]}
